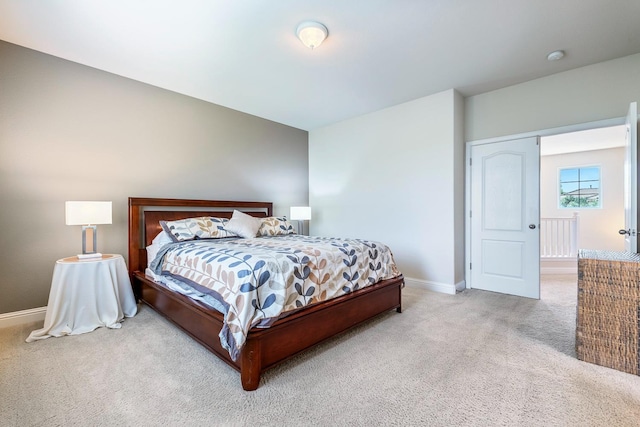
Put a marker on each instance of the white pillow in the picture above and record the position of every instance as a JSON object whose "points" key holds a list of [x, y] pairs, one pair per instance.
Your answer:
{"points": [[243, 225], [162, 239]]}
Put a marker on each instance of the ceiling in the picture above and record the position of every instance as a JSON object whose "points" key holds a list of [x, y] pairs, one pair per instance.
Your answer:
{"points": [[585, 140], [244, 54]]}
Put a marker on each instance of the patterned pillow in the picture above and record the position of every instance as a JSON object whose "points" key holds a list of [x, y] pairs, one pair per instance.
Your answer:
{"points": [[204, 227], [275, 226]]}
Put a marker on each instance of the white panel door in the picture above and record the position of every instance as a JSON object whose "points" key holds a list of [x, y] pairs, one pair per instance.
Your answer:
{"points": [[505, 217], [631, 182]]}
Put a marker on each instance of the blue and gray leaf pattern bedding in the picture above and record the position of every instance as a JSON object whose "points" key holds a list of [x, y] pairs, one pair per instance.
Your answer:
{"points": [[258, 279]]}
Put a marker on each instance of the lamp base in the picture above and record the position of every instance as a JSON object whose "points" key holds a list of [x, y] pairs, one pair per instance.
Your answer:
{"points": [[90, 232], [301, 228], [90, 256]]}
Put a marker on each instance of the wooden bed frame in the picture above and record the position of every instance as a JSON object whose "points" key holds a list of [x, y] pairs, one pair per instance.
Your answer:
{"points": [[264, 348]]}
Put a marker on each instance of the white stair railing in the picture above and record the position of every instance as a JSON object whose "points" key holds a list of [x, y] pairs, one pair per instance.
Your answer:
{"points": [[559, 237]]}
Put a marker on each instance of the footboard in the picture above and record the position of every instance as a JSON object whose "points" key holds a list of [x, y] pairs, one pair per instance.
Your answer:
{"points": [[297, 332], [287, 337]]}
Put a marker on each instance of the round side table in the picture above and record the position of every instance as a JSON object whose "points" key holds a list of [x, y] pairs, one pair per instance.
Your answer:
{"points": [[87, 294]]}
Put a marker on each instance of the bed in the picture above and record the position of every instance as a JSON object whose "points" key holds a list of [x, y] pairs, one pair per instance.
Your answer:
{"points": [[263, 347]]}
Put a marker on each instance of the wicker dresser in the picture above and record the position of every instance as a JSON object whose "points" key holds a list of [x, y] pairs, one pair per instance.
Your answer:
{"points": [[608, 313]]}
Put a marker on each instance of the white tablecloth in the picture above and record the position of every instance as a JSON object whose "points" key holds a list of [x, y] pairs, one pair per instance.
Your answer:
{"points": [[85, 295]]}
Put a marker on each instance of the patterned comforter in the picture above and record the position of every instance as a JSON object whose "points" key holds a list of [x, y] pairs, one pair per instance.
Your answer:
{"points": [[256, 280]]}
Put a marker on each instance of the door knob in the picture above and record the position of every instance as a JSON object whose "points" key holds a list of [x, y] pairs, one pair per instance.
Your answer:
{"points": [[623, 232], [532, 226]]}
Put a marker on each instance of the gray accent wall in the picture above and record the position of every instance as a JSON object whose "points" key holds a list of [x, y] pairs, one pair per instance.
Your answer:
{"points": [[71, 132]]}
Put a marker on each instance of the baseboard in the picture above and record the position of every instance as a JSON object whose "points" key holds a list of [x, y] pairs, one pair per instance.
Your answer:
{"points": [[558, 266], [24, 316], [558, 270], [444, 288], [38, 314]]}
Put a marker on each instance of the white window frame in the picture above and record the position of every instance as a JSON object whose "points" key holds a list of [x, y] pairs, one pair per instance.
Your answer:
{"points": [[559, 195]]}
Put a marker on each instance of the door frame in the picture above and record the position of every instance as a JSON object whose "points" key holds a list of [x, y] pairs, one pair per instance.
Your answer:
{"points": [[631, 180], [541, 133]]}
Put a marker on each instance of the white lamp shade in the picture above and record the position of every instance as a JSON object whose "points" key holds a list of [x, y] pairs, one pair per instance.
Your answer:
{"points": [[312, 34], [300, 213], [87, 213]]}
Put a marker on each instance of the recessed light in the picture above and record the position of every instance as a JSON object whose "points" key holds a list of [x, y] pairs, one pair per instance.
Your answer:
{"points": [[555, 55]]}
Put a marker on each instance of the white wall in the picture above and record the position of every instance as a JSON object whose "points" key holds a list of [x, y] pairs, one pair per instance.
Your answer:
{"points": [[584, 95], [396, 176], [587, 94], [598, 227]]}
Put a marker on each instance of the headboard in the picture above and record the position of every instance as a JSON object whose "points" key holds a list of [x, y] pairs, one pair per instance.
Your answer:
{"points": [[145, 215]]}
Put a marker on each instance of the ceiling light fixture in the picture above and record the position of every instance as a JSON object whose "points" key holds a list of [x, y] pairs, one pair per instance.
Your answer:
{"points": [[555, 55], [312, 34]]}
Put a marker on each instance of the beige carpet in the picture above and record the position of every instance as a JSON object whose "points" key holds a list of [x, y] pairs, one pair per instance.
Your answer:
{"points": [[476, 358]]}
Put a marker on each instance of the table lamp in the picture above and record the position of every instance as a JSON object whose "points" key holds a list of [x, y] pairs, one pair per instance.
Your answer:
{"points": [[300, 214], [88, 215]]}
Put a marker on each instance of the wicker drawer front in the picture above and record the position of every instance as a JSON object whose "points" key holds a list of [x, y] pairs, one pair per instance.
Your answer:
{"points": [[608, 312]]}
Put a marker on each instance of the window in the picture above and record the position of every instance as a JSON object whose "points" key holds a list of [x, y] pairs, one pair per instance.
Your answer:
{"points": [[580, 187]]}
